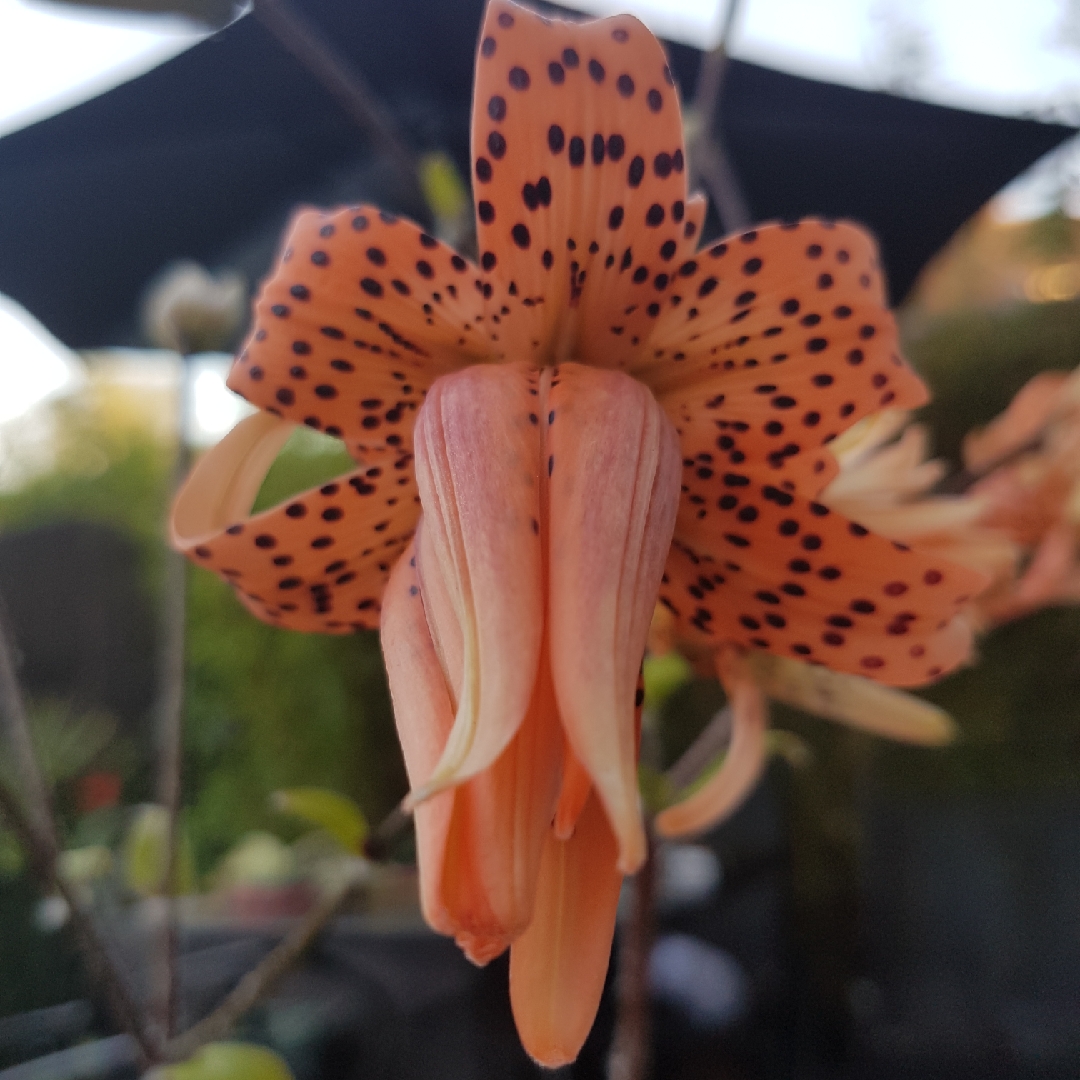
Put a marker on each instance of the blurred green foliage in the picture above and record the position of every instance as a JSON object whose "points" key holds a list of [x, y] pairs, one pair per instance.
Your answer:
{"points": [[265, 708]]}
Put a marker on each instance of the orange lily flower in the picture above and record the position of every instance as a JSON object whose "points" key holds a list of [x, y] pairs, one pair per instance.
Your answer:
{"points": [[595, 415], [1028, 464]]}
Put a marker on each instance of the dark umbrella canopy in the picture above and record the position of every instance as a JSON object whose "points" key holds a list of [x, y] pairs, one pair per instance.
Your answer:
{"points": [[203, 157]]}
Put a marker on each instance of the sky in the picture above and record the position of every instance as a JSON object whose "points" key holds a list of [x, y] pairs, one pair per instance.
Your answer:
{"points": [[1007, 56]]}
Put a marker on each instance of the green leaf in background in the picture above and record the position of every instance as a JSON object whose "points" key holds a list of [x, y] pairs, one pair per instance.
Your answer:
{"points": [[664, 675], [65, 740], [655, 788], [260, 858], [328, 810], [85, 865], [226, 1061], [443, 188], [143, 856]]}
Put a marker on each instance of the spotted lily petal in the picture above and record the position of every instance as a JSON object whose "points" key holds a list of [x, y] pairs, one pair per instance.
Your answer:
{"points": [[317, 562], [612, 459], [580, 182], [743, 765], [221, 489], [789, 575], [362, 312]]}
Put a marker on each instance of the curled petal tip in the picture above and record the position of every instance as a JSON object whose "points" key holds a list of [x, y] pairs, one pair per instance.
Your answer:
{"points": [[724, 791]]}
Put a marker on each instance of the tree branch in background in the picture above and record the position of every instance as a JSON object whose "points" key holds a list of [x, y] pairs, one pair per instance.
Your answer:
{"points": [[262, 978], [170, 730], [40, 853], [631, 1045], [709, 161], [35, 791], [344, 83]]}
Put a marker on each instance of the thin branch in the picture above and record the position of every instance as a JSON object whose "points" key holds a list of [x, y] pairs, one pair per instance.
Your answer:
{"points": [[42, 860], [342, 82], [631, 1045], [35, 791], [377, 845], [712, 741], [262, 978], [709, 160], [170, 729]]}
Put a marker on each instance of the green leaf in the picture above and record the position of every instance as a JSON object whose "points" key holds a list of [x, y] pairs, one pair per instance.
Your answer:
{"points": [[143, 856], [655, 788], [261, 859], [664, 675], [226, 1061], [443, 187], [328, 810]]}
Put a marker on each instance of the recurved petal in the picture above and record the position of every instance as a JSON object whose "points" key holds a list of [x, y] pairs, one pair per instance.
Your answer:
{"points": [[580, 181], [361, 313], [478, 471], [613, 466], [1019, 425], [557, 967], [852, 700], [315, 563], [725, 789]]}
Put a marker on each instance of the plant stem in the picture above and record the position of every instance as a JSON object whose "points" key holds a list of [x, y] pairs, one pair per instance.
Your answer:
{"points": [[170, 727], [41, 855], [344, 83], [257, 982], [377, 845], [35, 791], [709, 159], [631, 1044]]}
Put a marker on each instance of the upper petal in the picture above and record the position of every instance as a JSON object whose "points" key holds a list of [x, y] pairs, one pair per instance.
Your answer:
{"points": [[478, 466], [361, 312], [612, 459], [317, 562], [580, 182]]}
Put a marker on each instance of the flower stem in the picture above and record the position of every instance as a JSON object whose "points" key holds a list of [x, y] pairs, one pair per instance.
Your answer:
{"points": [[631, 1044], [170, 726]]}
